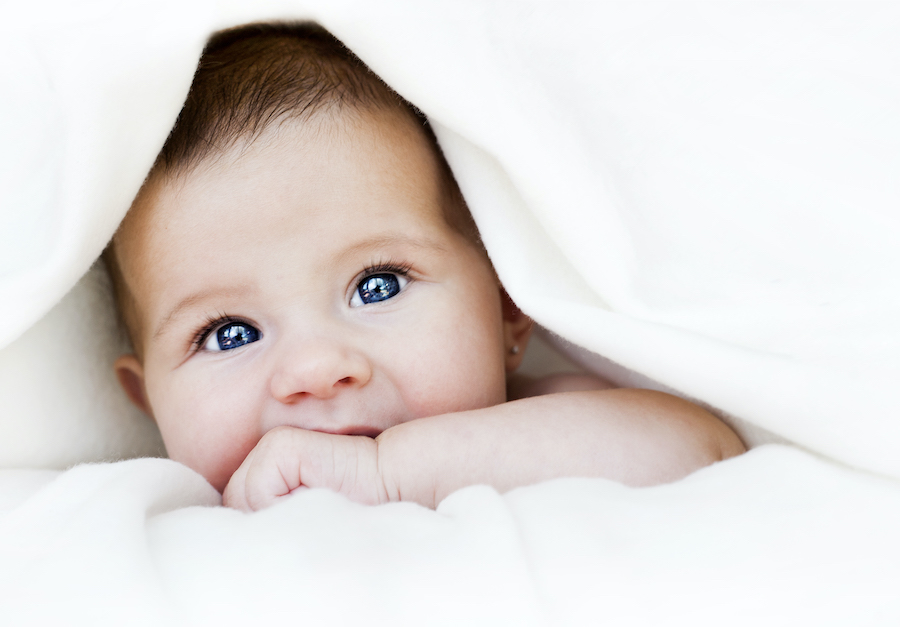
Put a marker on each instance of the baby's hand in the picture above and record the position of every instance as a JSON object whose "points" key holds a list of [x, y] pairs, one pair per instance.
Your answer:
{"points": [[288, 459]]}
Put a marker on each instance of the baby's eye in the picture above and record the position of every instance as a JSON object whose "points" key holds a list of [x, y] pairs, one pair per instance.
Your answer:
{"points": [[378, 287], [231, 335]]}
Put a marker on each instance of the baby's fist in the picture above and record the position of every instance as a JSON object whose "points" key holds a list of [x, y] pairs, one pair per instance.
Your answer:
{"points": [[287, 459]]}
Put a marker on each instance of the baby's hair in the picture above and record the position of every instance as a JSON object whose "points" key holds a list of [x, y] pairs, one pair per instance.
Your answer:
{"points": [[253, 77], [258, 75]]}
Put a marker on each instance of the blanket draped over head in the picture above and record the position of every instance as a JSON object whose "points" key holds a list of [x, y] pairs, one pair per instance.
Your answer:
{"points": [[698, 197]]}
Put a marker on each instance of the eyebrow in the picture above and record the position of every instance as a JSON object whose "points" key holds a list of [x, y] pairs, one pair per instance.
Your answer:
{"points": [[390, 239], [190, 301]]}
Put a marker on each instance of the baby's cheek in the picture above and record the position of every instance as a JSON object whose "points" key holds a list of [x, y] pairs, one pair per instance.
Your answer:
{"points": [[206, 430], [470, 376], [478, 364]]}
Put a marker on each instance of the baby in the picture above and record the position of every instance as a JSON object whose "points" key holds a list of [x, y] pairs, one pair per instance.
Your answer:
{"points": [[310, 304]]}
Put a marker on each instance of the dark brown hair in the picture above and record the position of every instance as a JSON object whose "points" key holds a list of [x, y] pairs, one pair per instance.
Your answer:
{"points": [[257, 75]]}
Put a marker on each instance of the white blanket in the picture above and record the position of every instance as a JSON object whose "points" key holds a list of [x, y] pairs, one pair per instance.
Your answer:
{"points": [[704, 194]]}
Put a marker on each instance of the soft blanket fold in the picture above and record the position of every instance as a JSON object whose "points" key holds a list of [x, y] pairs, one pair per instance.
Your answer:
{"points": [[139, 543]]}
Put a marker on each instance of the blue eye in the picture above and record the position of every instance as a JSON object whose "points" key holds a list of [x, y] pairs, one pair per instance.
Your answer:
{"points": [[230, 336], [376, 288]]}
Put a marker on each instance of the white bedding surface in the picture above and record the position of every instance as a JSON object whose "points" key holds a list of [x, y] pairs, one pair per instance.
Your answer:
{"points": [[705, 194], [142, 542]]}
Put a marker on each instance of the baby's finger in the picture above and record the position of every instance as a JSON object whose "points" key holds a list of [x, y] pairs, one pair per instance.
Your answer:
{"points": [[234, 495], [272, 477]]}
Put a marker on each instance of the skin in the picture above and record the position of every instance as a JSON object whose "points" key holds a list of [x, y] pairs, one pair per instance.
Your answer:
{"points": [[402, 399]]}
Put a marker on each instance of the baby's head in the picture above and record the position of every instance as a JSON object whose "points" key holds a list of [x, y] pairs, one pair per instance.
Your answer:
{"points": [[301, 255]]}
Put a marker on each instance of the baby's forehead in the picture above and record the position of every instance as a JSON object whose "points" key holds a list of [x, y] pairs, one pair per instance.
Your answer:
{"points": [[308, 134], [173, 201]]}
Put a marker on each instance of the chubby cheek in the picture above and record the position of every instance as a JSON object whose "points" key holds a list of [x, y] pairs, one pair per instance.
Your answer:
{"points": [[457, 365], [206, 427]]}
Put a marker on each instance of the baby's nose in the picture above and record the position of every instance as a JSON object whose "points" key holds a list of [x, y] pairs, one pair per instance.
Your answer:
{"points": [[319, 369]]}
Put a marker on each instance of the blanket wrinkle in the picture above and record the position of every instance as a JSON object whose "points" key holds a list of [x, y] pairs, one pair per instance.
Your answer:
{"points": [[559, 552]]}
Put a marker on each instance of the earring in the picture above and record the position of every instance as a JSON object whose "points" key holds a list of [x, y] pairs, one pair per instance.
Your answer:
{"points": [[514, 350]]}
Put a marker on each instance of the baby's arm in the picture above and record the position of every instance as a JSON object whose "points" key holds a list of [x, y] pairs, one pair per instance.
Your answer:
{"points": [[637, 437]]}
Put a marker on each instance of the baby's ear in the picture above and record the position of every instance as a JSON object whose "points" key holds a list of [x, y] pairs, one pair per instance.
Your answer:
{"points": [[130, 373], [516, 331]]}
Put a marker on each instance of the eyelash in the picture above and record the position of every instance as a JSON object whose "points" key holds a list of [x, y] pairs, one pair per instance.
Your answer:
{"points": [[212, 323], [382, 267]]}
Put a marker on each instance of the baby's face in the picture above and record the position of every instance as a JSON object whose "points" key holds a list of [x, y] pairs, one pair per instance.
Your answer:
{"points": [[310, 280]]}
